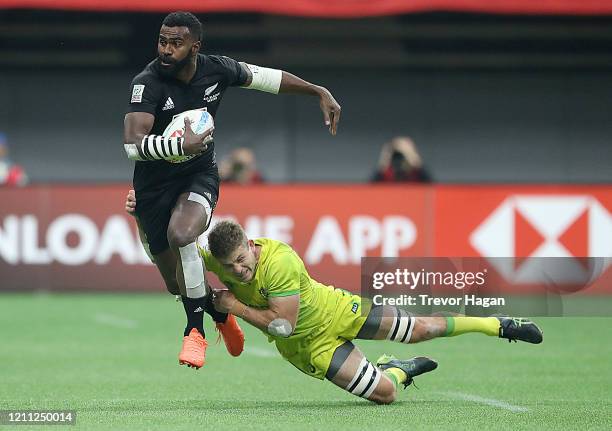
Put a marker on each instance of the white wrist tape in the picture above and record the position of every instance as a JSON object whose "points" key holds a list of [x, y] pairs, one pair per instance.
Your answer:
{"points": [[132, 151], [265, 79], [155, 147]]}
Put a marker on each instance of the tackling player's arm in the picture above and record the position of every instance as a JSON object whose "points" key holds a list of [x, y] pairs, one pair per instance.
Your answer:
{"points": [[140, 145], [278, 81], [278, 320]]}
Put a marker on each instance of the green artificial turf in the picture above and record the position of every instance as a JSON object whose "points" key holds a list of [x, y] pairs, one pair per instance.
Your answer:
{"points": [[113, 359]]}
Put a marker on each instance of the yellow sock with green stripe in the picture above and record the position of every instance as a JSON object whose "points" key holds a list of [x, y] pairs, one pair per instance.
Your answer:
{"points": [[458, 325], [396, 375]]}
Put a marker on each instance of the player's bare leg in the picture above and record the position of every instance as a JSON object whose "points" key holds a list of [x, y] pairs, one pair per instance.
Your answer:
{"points": [[188, 221], [166, 263], [395, 324], [226, 324], [350, 370]]}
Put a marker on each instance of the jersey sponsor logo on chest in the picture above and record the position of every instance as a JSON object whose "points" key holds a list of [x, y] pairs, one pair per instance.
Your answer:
{"points": [[209, 95], [168, 105]]}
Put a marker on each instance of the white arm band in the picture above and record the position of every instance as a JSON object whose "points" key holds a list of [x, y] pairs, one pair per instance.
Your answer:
{"points": [[155, 147], [265, 79], [280, 328]]}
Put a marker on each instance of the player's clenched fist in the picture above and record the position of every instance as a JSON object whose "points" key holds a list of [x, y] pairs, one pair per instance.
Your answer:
{"points": [[224, 300]]}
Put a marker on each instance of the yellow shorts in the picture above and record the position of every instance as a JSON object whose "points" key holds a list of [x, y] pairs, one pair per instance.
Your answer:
{"points": [[313, 354]]}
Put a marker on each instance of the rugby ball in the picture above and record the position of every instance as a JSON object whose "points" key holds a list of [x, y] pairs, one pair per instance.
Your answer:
{"points": [[201, 122]]}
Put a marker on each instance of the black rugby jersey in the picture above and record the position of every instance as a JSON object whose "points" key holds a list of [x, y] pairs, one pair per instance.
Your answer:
{"points": [[165, 97]]}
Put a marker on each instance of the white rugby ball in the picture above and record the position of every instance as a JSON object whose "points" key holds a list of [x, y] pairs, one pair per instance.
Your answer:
{"points": [[201, 122]]}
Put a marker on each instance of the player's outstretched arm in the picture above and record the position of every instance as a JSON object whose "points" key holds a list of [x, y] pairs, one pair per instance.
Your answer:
{"points": [[278, 81], [278, 320], [292, 84]]}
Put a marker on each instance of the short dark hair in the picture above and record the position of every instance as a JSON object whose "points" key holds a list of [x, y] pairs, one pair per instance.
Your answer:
{"points": [[225, 238], [185, 19]]}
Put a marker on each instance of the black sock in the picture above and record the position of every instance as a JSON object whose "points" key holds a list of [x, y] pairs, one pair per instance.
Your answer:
{"points": [[194, 309], [217, 316]]}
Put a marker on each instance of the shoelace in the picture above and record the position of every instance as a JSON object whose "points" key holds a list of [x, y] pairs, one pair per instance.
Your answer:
{"points": [[409, 382], [219, 336]]}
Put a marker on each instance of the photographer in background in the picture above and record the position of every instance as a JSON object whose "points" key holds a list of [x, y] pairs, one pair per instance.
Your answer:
{"points": [[240, 167], [400, 162], [11, 175]]}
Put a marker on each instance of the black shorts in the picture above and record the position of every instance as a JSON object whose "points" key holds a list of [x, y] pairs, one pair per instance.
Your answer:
{"points": [[154, 206]]}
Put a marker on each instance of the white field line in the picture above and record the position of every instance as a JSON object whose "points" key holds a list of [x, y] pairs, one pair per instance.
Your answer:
{"points": [[261, 352], [118, 322], [487, 401]]}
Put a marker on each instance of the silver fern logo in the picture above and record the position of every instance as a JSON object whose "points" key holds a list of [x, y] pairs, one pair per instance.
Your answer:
{"points": [[210, 89]]}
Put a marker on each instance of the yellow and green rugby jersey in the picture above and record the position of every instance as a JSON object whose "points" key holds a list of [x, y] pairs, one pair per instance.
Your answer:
{"points": [[280, 272]]}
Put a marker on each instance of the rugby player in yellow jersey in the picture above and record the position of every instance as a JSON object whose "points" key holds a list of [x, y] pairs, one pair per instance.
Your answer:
{"points": [[313, 325]]}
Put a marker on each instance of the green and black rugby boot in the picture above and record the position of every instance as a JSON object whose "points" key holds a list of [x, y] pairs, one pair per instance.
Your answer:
{"points": [[412, 367], [518, 328]]}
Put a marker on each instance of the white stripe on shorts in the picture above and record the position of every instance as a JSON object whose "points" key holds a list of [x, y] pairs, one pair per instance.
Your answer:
{"points": [[195, 197]]}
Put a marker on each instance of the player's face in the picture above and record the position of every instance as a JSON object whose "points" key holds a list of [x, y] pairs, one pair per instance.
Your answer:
{"points": [[175, 49], [242, 262]]}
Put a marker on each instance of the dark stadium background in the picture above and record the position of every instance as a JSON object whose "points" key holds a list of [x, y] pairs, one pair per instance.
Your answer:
{"points": [[487, 98]]}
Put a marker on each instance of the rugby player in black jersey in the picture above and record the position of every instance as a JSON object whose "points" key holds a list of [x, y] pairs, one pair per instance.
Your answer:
{"points": [[176, 200]]}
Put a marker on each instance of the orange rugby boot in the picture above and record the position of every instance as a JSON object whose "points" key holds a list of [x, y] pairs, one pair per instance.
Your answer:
{"points": [[194, 350], [232, 335]]}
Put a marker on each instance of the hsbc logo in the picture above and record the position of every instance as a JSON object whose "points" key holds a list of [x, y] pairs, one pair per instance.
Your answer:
{"points": [[527, 227]]}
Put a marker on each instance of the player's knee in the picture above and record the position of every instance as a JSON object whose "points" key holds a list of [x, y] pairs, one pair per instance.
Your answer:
{"points": [[180, 238]]}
